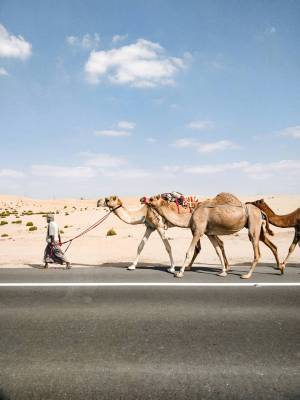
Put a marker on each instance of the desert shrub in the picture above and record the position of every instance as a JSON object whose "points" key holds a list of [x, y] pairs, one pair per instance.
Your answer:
{"points": [[111, 232], [32, 228], [66, 226], [65, 206], [61, 231], [29, 223], [3, 223], [56, 212], [27, 213], [4, 235], [66, 213], [18, 221]]}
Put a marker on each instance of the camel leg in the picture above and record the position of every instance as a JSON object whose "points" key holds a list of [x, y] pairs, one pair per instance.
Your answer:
{"points": [[162, 234], [221, 245], [263, 238], [140, 248], [196, 252], [291, 249], [216, 244], [254, 234], [189, 254]]}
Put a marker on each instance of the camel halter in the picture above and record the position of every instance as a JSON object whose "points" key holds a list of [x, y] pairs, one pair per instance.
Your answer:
{"points": [[89, 228]]}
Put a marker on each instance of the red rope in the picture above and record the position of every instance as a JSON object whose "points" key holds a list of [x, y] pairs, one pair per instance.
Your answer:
{"points": [[88, 229]]}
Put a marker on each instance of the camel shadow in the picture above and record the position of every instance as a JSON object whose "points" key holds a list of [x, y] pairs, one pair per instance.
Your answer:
{"points": [[201, 268]]}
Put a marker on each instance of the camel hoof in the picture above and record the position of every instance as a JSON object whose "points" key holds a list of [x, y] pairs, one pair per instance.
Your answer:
{"points": [[245, 276], [282, 268], [178, 275], [223, 273], [171, 270], [131, 268]]}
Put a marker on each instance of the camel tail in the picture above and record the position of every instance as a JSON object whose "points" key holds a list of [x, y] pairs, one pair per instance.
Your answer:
{"points": [[268, 229]]}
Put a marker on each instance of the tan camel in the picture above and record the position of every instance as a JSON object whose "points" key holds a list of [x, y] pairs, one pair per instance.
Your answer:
{"points": [[291, 220], [222, 215], [153, 221]]}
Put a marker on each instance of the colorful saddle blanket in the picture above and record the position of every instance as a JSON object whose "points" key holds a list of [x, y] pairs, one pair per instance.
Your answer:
{"points": [[181, 200]]}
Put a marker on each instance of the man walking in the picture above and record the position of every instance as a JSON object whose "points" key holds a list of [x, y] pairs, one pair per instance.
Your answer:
{"points": [[53, 252]]}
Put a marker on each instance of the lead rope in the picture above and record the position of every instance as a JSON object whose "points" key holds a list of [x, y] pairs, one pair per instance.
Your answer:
{"points": [[89, 228]]}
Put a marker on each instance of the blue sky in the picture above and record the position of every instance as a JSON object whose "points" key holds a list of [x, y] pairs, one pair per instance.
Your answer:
{"points": [[133, 98]]}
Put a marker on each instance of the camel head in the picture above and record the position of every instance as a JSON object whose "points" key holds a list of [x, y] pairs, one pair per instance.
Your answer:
{"points": [[101, 203], [259, 203], [144, 200], [156, 201], [112, 202]]}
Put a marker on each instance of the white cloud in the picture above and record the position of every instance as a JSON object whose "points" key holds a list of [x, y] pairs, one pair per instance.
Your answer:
{"points": [[141, 64], [62, 172], [200, 125], [3, 72], [215, 168], [274, 167], [291, 131], [270, 30], [151, 140], [86, 41], [10, 173], [119, 38], [103, 160], [132, 173], [184, 142], [205, 147], [126, 125], [13, 46], [257, 171], [112, 133], [216, 146]]}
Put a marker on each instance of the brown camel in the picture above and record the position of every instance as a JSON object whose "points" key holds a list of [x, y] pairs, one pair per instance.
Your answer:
{"points": [[222, 215], [291, 220], [153, 221]]}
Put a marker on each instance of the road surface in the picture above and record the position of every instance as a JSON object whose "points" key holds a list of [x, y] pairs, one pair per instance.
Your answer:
{"points": [[148, 342]]}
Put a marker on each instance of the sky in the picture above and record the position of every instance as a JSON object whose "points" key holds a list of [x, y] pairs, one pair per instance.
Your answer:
{"points": [[142, 97]]}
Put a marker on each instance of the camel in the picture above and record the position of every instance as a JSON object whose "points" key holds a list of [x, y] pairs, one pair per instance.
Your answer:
{"points": [[154, 221], [222, 215], [291, 220]]}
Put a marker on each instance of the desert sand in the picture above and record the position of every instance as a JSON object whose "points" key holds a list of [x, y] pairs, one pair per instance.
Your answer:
{"points": [[22, 248]]}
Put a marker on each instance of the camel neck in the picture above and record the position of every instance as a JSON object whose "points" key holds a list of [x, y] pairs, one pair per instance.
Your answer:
{"points": [[175, 218], [277, 220], [131, 217]]}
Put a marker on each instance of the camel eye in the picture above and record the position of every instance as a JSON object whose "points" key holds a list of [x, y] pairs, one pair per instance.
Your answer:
{"points": [[151, 199]]}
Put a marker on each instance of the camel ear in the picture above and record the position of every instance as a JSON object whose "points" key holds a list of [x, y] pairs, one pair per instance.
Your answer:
{"points": [[114, 198], [158, 197]]}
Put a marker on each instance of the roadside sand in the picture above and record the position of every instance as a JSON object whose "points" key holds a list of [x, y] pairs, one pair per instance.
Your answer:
{"points": [[23, 248]]}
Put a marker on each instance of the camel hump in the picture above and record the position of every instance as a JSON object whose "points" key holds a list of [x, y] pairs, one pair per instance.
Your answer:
{"points": [[225, 198]]}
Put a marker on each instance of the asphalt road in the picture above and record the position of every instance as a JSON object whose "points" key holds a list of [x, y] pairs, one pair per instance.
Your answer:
{"points": [[139, 342]]}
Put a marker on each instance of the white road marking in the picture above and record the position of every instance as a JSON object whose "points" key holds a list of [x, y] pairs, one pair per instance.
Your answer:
{"points": [[150, 284]]}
